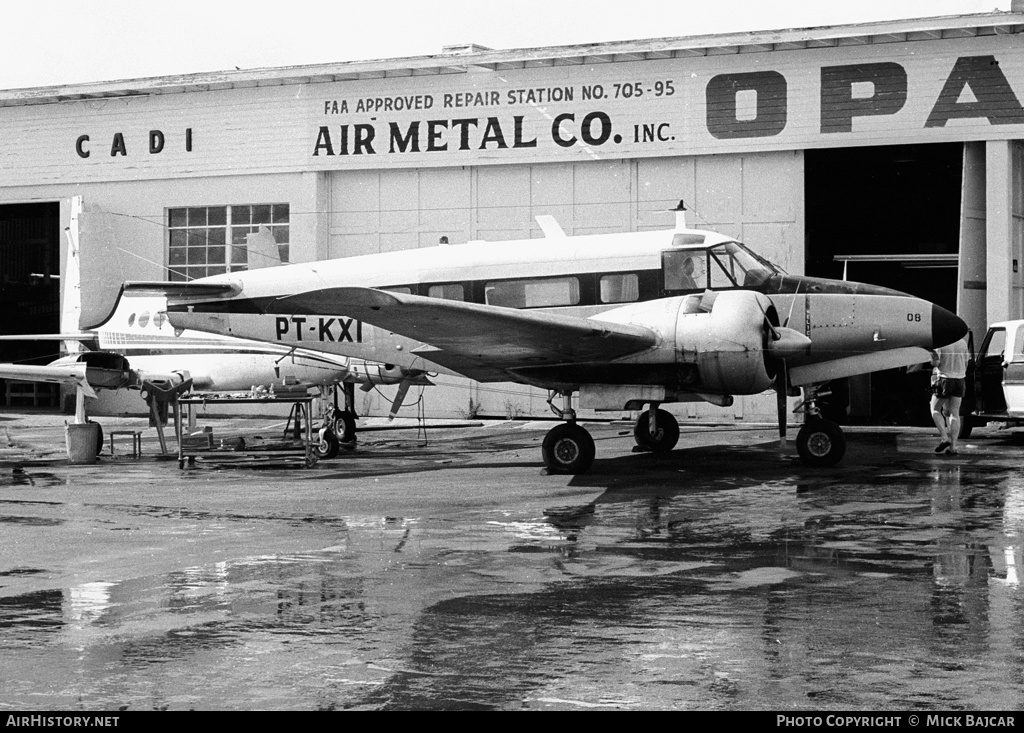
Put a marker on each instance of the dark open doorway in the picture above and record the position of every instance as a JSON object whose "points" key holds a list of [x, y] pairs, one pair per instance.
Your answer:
{"points": [[890, 216], [29, 293]]}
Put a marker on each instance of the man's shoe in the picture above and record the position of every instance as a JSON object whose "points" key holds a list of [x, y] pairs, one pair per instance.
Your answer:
{"points": [[942, 446], [951, 452]]}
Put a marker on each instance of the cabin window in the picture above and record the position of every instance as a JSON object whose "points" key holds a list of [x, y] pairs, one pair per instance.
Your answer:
{"points": [[623, 287], [403, 289], [1018, 347], [684, 270], [450, 291], [210, 240], [533, 293], [144, 319]]}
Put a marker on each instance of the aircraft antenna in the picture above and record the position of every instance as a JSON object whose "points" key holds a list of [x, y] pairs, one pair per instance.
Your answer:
{"points": [[680, 215]]}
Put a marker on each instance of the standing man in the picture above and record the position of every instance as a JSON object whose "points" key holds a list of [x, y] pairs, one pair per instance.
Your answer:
{"points": [[948, 386]]}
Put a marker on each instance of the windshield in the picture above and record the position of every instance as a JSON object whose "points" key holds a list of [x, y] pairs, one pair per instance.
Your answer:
{"points": [[733, 265]]}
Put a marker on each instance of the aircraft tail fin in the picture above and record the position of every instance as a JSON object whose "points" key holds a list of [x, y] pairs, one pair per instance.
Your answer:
{"points": [[261, 249]]}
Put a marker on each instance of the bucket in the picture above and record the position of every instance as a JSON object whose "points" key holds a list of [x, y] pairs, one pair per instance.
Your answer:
{"points": [[83, 442]]}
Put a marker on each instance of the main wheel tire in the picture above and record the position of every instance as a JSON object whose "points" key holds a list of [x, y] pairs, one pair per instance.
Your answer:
{"points": [[326, 446], [99, 441], [665, 437], [568, 448], [821, 443], [345, 426]]}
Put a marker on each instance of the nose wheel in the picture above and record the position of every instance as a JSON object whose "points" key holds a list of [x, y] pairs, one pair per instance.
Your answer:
{"points": [[820, 442], [326, 445]]}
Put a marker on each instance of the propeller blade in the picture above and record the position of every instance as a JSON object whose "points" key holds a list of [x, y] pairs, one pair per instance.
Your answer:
{"points": [[780, 398], [396, 404]]}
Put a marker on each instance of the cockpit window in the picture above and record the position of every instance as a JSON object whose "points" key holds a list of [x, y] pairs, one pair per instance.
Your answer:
{"points": [[684, 269], [736, 266]]}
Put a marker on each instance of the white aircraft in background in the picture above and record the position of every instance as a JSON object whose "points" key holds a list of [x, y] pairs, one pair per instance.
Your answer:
{"points": [[622, 319], [136, 348]]}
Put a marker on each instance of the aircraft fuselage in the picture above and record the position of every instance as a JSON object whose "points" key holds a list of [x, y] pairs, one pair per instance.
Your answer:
{"points": [[622, 278]]}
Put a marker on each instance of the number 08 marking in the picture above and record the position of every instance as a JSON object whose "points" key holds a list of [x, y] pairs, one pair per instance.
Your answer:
{"points": [[914, 317]]}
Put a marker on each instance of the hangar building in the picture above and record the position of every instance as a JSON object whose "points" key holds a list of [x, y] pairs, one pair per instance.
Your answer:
{"points": [[891, 152]]}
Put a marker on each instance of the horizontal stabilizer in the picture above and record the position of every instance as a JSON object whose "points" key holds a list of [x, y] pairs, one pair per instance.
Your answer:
{"points": [[182, 291]]}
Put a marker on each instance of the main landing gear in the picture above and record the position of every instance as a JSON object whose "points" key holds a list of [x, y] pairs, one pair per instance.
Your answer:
{"points": [[338, 427], [656, 430], [820, 442], [567, 448]]}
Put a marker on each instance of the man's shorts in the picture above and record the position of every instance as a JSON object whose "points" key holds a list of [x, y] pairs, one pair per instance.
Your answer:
{"points": [[949, 387]]}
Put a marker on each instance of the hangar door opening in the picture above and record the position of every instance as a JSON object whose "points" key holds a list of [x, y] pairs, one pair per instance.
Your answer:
{"points": [[889, 216], [29, 295]]}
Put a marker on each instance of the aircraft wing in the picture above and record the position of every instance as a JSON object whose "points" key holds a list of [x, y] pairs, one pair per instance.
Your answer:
{"points": [[69, 374], [81, 336], [476, 339]]}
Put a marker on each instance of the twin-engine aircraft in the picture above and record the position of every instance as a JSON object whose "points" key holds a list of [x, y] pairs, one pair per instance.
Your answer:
{"points": [[624, 320], [136, 348]]}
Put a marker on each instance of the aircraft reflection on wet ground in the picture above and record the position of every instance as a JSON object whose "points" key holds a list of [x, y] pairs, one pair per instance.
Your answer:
{"points": [[437, 578]]}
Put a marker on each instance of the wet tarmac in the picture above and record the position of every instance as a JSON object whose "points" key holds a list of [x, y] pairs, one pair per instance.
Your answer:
{"points": [[445, 571]]}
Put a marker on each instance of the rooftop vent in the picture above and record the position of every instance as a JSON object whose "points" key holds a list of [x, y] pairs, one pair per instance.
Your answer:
{"points": [[460, 48]]}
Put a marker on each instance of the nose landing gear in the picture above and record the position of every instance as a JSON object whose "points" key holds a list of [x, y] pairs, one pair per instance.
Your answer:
{"points": [[820, 442]]}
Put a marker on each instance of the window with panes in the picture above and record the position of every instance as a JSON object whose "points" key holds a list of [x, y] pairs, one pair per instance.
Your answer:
{"points": [[210, 240]]}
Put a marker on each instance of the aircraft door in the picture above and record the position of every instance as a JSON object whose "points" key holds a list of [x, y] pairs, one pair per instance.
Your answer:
{"points": [[988, 375]]}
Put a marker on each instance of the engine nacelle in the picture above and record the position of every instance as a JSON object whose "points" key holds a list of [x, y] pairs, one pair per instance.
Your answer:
{"points": [[369, 374], [729, 345]]}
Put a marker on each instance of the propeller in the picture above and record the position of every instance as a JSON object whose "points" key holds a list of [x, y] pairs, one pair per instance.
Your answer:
{"points": [[782, 342], [396, 404], [780, 401]]}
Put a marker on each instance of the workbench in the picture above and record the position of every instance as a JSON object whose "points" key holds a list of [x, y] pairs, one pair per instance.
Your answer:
{"points": [[301, 408]]}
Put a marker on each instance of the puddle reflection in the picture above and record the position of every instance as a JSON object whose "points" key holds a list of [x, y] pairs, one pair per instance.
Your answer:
{"points": [[902, 593]]}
